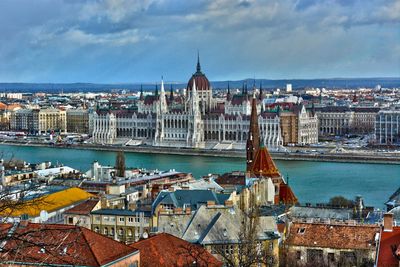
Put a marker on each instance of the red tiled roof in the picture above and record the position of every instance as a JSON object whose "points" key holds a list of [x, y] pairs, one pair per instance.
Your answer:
{"points": [[286, 195], [389, 244], [264, 165], [231, 179], [167, 250], [60, 244], [332, 236], [83, 208]]}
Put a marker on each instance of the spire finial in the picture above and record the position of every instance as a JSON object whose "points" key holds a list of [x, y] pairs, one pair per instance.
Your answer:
{"points": [[198, 68]]}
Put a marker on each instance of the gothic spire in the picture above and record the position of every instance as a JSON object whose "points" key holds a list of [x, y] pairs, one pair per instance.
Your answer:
{"points": [[156, 91], [141, 92], [171, 94], [261, 96], [253, 138], [228, 95], [198, 68]]}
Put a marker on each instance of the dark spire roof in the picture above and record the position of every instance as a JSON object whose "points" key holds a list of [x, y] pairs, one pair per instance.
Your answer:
{"points": [[171, 95], [156, 91], [141, 92], [253, 139], [198, 68], [228, 95], [261, 96]]}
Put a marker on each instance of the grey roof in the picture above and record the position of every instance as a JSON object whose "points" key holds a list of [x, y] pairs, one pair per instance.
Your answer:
{"points": [[194, 198], [214, 225], [321, 213]]}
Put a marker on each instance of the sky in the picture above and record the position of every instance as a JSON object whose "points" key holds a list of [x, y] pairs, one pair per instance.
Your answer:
{"points": [[131, 41]]}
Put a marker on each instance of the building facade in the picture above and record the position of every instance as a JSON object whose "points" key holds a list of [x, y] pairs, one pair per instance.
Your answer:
{"points": [[387, 127], [78, 121], [192, 121]]}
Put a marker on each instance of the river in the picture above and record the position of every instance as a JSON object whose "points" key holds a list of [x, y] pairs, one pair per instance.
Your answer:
{"points": [[312, 182]]}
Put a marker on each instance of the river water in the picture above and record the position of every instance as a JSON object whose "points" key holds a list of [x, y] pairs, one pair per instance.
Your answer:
{"points": [[312, 182]]}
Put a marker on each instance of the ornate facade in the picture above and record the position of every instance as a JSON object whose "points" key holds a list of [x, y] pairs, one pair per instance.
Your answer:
{"points": [[190, 121]]}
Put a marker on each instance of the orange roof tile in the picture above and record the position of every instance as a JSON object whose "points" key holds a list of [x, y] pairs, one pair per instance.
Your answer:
{"points": [[167, 250], [286, 195], [388, 245], [332, 236], [264, 165], [83, 208], [61, 244]]}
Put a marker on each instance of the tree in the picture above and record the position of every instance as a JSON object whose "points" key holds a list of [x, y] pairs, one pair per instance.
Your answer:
{"points": [[249, 249], [340, 201], [120, 164]]}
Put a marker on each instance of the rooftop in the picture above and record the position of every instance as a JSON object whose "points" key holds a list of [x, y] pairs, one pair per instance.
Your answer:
{"points": [[334, 236], [167, 250]]}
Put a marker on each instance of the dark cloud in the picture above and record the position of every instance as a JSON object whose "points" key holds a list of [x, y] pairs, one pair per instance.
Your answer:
{"points": [[132, 40]]}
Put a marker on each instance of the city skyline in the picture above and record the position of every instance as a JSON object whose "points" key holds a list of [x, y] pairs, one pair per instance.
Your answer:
{"points": [[122, 41]]}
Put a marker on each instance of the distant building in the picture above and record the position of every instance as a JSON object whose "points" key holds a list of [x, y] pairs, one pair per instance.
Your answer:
{"points": [[288, 88], [78, 121], [342, 120], [387, 127], [38, 120]]}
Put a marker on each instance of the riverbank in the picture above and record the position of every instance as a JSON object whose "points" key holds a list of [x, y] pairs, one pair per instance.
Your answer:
{"points": [[326, 157]]}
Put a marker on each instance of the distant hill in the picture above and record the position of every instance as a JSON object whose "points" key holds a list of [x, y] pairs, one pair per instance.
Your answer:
{"points": [[267, 84]]}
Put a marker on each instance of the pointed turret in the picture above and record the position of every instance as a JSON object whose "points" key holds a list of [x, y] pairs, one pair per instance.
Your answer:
{"points": [[253, 139], [141, 92], [228, 94], [198, 67], [171, 94], [261, 95], [163, 99]]}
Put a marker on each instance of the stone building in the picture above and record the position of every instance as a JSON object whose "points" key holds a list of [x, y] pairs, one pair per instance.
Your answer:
{"points": [[39, 120], [342, 120], [78, 121], [387, 127], [120, 224], [319, 244], [192, 121]]}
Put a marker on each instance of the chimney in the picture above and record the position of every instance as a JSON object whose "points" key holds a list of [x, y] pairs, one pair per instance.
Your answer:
{"points": [[188, 210], [228, 203], [388, 222]]}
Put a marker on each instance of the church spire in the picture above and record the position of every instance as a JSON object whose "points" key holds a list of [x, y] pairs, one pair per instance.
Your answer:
{"points": [[253, 139], [228, 94], [198, 67], [261, 96], [156, 91], [141, 92], [171, 94]]}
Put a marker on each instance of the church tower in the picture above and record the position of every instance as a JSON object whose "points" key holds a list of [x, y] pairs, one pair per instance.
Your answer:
{"points": [[253, 139]]}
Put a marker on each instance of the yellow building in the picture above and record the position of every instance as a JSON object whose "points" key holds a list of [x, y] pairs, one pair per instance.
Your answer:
{"points": [[51, 206]]}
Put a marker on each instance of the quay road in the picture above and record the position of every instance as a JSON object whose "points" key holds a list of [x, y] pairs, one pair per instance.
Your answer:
{"points": [[352, 156]]}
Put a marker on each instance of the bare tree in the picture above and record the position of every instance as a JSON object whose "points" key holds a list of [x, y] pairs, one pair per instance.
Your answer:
{"points": [[249, 249]]}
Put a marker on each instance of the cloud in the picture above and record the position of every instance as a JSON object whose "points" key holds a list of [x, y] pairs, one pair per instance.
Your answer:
{"points": [[237, 38]]}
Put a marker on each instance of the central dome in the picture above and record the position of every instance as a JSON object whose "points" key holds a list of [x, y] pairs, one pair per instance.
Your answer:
{"points": [[202, 83]]}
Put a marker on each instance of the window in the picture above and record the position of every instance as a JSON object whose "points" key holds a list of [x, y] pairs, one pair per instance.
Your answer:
{"points": [[121, 219], [96, 229], [331, 257], [130, 219], [120, 231], [298, 255], [105, 218], [106, 231], [301, 230], [314, 255], [70, 220]]}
